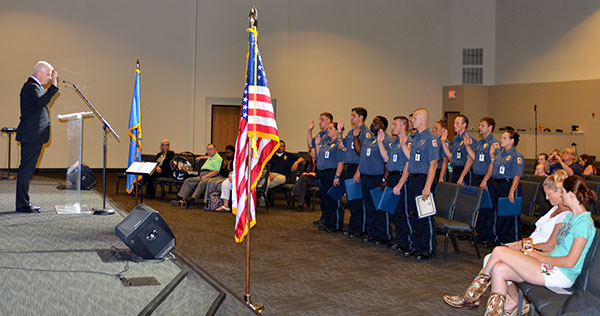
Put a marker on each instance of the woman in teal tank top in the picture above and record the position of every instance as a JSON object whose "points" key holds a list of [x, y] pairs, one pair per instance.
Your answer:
{"points": [[557, 268]]}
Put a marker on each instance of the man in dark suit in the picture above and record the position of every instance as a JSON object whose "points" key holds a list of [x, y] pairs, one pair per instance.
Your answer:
{"points": [[34, 128]]}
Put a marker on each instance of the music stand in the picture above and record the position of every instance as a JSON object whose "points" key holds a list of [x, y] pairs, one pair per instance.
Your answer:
{"points": [[106, 128], [9, 131]]}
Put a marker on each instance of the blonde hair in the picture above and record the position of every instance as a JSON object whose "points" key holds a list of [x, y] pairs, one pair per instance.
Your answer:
{"points": [[555, 181], [162, 142]]}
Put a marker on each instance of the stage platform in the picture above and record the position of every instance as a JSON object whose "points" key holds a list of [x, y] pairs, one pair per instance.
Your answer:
{"points": [[53, 264]]}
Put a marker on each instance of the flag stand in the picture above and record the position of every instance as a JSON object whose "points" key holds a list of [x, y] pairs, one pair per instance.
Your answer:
{"points": [[257, 307]]}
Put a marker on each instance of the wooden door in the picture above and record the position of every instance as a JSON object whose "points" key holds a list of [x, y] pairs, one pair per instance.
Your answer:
{"points": [[225, 122], [450, 117]]}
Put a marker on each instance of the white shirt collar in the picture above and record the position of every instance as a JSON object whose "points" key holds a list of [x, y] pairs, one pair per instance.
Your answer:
{"points": [[36, 80]]}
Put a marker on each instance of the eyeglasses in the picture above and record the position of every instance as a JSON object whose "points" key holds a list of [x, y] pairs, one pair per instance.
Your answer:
{"points": [[165, 144]]}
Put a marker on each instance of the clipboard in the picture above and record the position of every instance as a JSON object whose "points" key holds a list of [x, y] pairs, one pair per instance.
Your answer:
{"points": [[505, 208], [336, 192], [425, 208], [389, 201], [353, 190]]}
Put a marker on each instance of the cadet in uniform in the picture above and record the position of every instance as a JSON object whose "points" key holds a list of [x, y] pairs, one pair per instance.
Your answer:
{"points": [[418, 176], [396, 160], [506, 172], [440, 131], [330, 164], [356, 226], [370, 172], [457, 153], [480, 154], [325, 119]]}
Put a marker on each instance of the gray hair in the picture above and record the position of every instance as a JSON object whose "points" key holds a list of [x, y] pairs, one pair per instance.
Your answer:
{"points": [[41, 64]]}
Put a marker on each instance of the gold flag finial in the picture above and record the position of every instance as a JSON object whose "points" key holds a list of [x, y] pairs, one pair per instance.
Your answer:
{"points": [[253, 17], [137, 64]]}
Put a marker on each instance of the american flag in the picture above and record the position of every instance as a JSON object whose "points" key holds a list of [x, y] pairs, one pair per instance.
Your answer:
{"points": [[258, 130]]}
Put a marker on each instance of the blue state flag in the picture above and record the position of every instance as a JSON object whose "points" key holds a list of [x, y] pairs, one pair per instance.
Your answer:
{"points": [[135, 132]]}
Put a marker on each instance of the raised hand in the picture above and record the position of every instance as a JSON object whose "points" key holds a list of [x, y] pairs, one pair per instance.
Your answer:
{"points": [[311, 125], [340, 125], [468, 140], [444, 135], [380, 135]]}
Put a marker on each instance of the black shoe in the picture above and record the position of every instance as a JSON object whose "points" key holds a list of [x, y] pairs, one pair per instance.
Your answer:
{"points": [[403, 249], [188, 203], [379, 242], [346, 233], [408, 252], [34, 207], [319, 223], [300, 208], [367, 239], [27, 209], [392, 245], [178, 202], [425, 256], [332, 230]]}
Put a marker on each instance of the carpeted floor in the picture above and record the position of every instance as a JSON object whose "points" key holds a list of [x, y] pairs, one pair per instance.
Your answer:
{"points": [[299, 270], [49, 264]]}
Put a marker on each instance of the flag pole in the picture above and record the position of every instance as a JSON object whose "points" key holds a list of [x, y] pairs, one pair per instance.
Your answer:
{"points": [[253, 23]]}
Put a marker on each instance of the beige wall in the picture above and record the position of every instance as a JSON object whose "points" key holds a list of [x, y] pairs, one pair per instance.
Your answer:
{"points": [[388, 56], [547, 40]]}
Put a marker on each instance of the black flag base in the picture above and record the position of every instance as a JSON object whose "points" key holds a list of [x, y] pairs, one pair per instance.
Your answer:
{"points": [[257, 307], [103, 211]]}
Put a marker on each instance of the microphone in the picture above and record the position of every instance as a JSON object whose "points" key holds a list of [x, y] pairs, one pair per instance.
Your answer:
{"points": [[535, 107], [68, 82]]}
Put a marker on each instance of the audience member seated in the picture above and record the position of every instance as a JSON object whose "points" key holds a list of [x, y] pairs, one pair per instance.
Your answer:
{"points": [[540, 170], [163, 169], [544, 236], [565, 161], [557, 268], [196, 185], [588, 165], [307, 179], [542, 160], [220, 186], [282, 163]]}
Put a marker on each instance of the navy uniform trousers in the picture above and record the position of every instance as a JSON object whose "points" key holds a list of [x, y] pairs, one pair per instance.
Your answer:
{"points": [[486, 220], [401, 217], [507, 227], [333, 214], [357, 223], [378, 222], [423, 229], [456, 171]]}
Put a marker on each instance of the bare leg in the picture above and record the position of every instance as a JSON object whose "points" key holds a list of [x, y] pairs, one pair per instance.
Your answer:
{"points": [[512, 298]]}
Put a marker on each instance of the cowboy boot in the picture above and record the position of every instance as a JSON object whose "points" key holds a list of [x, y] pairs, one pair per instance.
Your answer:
{"points": [[471, 296], [495, 305]]}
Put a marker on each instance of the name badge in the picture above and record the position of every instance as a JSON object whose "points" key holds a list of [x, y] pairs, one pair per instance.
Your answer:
{"points": [[481, 157], [458, 155], [417, 157], [395, 158], [352, 145], [327, 154], [368, 152], [501, 170]]}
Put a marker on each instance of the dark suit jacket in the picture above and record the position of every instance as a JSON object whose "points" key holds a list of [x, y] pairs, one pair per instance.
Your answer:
{"points": [[34, 126], [166, 164]]}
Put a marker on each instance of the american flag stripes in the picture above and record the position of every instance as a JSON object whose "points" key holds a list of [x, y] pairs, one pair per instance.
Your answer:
{"points": [[257, 130]]}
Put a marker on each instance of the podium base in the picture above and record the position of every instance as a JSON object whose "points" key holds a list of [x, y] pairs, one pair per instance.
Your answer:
{"points": [[72, 209], [103, 211]]}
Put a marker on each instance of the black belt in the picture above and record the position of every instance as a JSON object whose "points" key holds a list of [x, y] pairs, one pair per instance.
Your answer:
{"points": [[477, 177], [417, 175], [323, 170], [351, 164], [393, 173], [502, 180]]}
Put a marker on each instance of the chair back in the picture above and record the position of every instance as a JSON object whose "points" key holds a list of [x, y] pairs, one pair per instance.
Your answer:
{"points": [[529, 197], [594, 205], [592, 178], [264, 179], [534, 178], [589, 278], [445, 197], [466, 208]]}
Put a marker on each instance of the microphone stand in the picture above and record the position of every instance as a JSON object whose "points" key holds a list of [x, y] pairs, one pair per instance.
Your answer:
{"points": [[536, 129], [106, 128]]}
